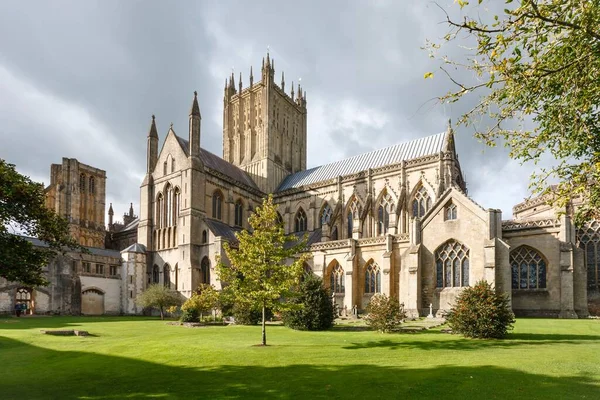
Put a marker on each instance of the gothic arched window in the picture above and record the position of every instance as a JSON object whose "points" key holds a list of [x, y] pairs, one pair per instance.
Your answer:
{"points": [[159, 211], [155, 274], [176, 205], [336, 279], [204, 237], [300, 221], [589, 241], [167, 275], [173, 165], [421, 203], [354, 210], [451, 213], [386, 205], [239, 213], [165, 168], [217, 202], [528, 268], [325, 214], [372, 278], [452, 264], [350, 222], [82, 182], [205, 271], [92, 185], [168, 205]]}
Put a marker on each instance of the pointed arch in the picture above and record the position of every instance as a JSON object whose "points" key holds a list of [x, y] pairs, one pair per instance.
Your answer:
{"points": [[372, 277], [159, 210], [335, 277], [205, 271], [167, 275], [325, 214], [528, 268], [217, 204], [353, 212], [239, 213], [384, 207], [155, 274], [452, 264], [300, 221], [92, 185], [421, 200]]}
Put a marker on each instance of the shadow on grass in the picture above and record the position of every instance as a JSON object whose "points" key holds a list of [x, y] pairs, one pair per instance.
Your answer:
{"points": [[31, 372], [396, 341], [67, 322]]}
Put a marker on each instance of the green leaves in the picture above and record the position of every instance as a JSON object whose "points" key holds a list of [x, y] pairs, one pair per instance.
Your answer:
{"points": [[538, 66]]}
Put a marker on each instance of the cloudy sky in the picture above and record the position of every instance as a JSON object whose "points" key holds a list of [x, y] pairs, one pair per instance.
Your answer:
{"points": [[81, 79]]}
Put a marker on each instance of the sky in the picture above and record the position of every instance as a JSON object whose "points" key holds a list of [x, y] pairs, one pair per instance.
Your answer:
{"points": [[82, 79]]}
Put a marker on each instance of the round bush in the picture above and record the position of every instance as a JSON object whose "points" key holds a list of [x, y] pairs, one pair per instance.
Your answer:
{"points": [[189, 315], [481, 312], [244, 314], [314, 311], [384, 313]]}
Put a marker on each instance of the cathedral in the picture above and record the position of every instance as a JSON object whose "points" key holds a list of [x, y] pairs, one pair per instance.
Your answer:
{"points": [[397, 220]]}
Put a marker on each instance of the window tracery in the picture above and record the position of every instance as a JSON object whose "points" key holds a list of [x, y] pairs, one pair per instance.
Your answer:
{"points": [[452, 265], [421, 203], [217, 202], [325, 215], [589, 240], [528, 268], [386, 205], [239, 213], [300, 221], [336, 279], [372, 278], [451, 212]]}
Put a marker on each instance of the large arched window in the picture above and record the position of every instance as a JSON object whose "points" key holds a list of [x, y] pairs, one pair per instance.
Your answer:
{"points": [[325, 214], [92, 185], [372, 278], [169, 205], [386, 205], [589, 241], [239, 213], [155, 274], [176, 205], [354, 211], [159, 213], [421, 203], [205, 271], [217, 203], [82, 182], [336, 279], [528, 268], [300, 221], [167, 275], [452, 264]]}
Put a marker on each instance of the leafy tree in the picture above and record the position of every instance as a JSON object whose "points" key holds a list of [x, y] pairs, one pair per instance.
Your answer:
{"points": [[257, 273], [535, 67], [316, 311], [204, 300], [481, 312], [22, 208], [160, 297], [384, 313]]}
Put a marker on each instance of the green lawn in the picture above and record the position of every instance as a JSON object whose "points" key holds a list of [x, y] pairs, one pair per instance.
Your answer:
{"points": [[146, 358]]}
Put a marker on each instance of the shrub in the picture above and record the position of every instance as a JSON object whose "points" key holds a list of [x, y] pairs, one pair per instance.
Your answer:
{"points": [[481, 312], [189, 315], [384, 313], [314, 311], [160, 297]]}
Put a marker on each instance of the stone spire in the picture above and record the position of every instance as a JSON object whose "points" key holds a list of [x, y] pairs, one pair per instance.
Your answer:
{"points": [[251, 77], [292, 91], [240, 83], [195, 110], [152, 133], [130, 209], [110, 216], [152, 149], [282, 81]]}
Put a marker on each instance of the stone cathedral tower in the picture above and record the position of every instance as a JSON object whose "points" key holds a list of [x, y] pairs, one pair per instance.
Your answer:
{"points": [[264, 128]]}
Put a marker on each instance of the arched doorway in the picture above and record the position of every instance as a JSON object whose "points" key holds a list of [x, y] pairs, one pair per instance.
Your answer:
{"points": [[92, 302], [24, 301]]}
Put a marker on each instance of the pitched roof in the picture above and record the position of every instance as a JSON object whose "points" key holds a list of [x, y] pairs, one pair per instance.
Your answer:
{"points": [[219, 228], [135, 248], [378, 158], [216, 163], [93, 250]]}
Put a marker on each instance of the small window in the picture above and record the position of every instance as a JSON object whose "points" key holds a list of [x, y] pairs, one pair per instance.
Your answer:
{"points": [[86, 267], [99, 269], [92, 185], [325, 215], [82, 182], [217, 204], [451, 212], [113, 270], [239, 213], [165, 168], [204, 237], [131, 294], [173, 165], [301, 221]]}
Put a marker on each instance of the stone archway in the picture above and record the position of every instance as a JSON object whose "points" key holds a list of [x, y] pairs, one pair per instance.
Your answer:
{"points": [[92, 302]]}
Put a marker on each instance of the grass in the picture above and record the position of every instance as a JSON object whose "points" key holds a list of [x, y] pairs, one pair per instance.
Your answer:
{"points": [[146, 358]]}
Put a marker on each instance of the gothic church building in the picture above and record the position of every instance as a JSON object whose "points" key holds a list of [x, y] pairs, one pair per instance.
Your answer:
{"points": [[396, 220]]}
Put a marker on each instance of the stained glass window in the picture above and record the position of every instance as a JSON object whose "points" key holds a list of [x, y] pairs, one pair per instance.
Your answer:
{"points": [[589, 240], [452, 265], [372, 279], [337, 279]]}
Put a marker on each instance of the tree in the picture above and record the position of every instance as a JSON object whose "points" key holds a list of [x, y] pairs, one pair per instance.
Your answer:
{"points": [[22, 208], [257, 273], [536, 68], [481, 312], [205, 299], [384, 313], [160, 297], [315, 311]]}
